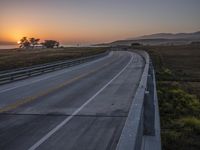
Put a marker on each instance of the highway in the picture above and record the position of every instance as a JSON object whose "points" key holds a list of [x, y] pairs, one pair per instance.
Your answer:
{"points": [[79, 108]]}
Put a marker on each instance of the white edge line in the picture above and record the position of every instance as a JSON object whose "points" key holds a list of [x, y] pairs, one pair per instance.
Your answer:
{"points": [[44, 138], [51, 76]]}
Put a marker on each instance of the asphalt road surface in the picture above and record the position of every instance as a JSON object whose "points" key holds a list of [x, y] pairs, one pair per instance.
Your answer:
{"points": [[79, 108]]}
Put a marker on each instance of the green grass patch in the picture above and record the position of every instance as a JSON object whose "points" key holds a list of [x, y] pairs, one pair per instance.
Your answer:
{"points": [[180, 117]]}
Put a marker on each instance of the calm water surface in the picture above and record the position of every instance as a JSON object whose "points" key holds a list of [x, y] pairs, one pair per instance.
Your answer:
{"points": [[8, 46]]}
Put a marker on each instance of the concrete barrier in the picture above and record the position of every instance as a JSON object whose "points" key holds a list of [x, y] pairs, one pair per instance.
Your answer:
{"points": [[142, 128]]}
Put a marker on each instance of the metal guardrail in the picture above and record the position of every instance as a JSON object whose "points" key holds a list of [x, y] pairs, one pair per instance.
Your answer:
{"points": [[18, 74], [142, 124]]}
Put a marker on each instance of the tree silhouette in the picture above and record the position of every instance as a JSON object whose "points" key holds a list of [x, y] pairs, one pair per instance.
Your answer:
{"points": [[33, 41], [24, 43], [50, 43]]}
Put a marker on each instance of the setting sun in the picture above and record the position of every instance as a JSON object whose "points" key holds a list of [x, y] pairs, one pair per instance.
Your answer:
{"points": [[18, 42]]}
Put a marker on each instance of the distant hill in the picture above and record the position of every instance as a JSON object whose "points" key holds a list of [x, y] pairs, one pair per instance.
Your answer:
{"points": [[191, 36], [159, 39]]}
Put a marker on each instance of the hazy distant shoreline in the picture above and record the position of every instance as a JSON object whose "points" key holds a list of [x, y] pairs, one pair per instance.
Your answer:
{"points": [[8, 46], [17, 46]]}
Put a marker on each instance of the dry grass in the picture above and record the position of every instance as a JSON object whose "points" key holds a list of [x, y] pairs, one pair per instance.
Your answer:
{"points": [[178, 78], [16, 58], [184, 61]]}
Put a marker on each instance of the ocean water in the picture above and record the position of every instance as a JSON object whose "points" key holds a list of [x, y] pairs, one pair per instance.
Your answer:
{"points": [[8, 46], [16, 46]]}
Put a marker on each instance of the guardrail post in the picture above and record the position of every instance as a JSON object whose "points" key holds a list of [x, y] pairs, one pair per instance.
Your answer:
{"points": [[149, 107]]}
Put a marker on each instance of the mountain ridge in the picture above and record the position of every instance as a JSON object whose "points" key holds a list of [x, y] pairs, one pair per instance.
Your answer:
{"points": [[192, 35], [158, 39]]}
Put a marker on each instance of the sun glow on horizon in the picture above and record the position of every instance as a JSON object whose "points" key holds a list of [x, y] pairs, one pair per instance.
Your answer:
{"points": [[85, 22]]}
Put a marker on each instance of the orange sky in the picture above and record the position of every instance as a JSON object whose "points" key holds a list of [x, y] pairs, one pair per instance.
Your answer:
{"points": [[94, 21]]}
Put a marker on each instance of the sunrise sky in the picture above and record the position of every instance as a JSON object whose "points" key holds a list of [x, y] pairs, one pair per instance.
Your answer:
{"points": [[95, 21]]}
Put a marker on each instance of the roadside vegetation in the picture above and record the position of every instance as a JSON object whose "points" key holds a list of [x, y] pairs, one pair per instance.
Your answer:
{"points": [[178, 84], [20, 57]]}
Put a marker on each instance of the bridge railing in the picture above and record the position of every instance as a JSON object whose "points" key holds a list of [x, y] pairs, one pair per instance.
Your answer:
{"points": [[142, 128], [17, 74]]}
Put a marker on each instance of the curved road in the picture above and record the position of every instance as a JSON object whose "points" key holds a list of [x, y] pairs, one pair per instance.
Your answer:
{"points": [[78, 108]]}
